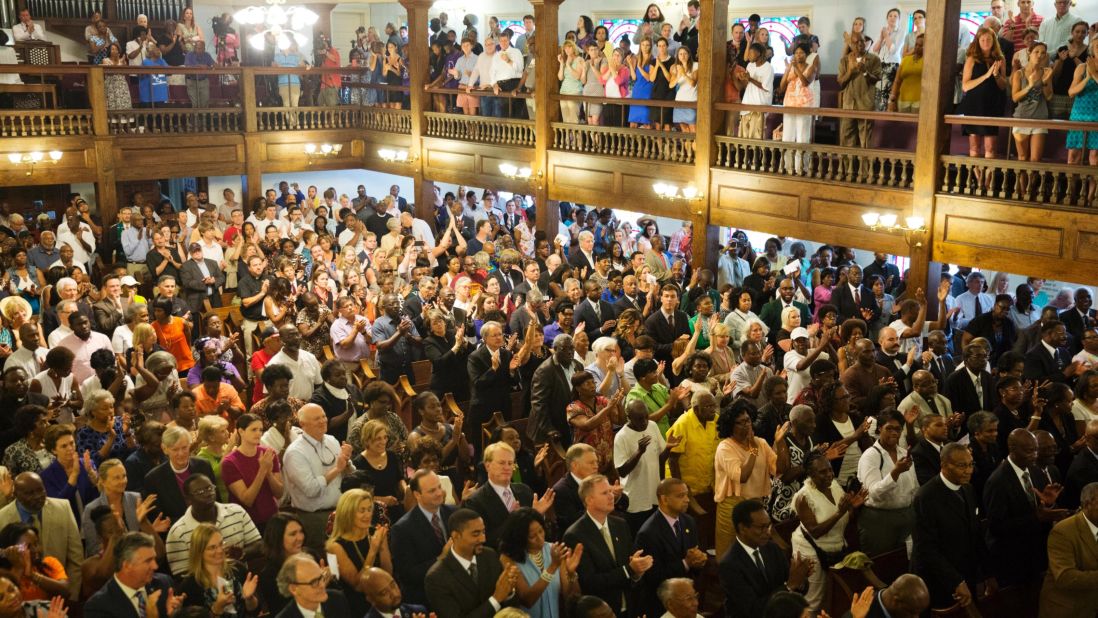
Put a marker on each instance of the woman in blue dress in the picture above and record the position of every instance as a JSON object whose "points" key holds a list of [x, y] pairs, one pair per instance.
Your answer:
{"points": [[1084, 87], [375, 68], [547, 569], [642, 70]]}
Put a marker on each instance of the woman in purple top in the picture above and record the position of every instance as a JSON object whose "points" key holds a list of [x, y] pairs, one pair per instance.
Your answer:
{"points": [[252, 472]]}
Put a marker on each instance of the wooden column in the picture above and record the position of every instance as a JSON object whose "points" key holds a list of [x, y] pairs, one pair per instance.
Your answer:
{"points": [[253, 148], [939, 60], [546, 47], [712, 34], [106, 190], [418, 52]]}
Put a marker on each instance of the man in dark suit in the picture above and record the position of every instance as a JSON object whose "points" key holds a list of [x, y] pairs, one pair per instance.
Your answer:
{"points": [[609, 566], [1049, 360], [597, 315], [1079, 318], [469, 582], [417, 299], [418, 537], [551, 392], [670, 537], [927, 452], [754, 568], [937, 359], [771, 313], [631, 297], [854, 300], [499, 496], [901, 366], [1017, 516], [491, 376], [508, 274], [583, 256], [384, 595], [667, 323], [1083, 470], [1046, 472], [201, 280], [532, 278], [960, 386], [907, 596], [582, 461], [110, 311], [135, 560], [162, 481], [1031, 335], [302, 579], [948, 549]]}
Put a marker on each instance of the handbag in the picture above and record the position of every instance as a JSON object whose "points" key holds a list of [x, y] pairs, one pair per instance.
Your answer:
{"points": [[827, 559]]}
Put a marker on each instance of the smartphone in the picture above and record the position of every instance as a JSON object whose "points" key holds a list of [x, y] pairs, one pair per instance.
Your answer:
{"points": [[791, 268], [651, 279], [419, 243]]}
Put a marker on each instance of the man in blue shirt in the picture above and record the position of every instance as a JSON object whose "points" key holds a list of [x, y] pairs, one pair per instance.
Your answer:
{"points": [[396, 338], [198, 86]]}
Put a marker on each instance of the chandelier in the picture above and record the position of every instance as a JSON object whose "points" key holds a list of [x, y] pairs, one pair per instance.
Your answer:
{"points": [[280, 23]]}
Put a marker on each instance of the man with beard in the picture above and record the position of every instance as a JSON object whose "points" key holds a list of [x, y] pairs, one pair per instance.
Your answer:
{"points": [[383, 594]]}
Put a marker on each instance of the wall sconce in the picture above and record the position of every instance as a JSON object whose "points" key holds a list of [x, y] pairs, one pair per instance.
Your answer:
{"points": [[671, 192], [313, 152], [395, 156], [913, 228], [34, 158]]}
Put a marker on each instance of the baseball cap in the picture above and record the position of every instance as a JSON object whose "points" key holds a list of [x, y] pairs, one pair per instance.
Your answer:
{"points": [[799, 332], [128, 280], [195, 247], [268, 332]]}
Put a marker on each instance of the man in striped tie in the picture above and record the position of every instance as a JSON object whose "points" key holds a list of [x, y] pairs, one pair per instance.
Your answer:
{"points": [[136, 585], [419, 536], [499, 496]]}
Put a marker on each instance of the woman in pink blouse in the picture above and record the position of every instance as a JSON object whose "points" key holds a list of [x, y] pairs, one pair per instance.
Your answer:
{"points": [[744, 467]]}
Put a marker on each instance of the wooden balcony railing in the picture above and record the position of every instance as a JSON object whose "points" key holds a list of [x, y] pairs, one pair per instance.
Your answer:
{"points": [[643, 144], [177, 121], [308, 118], [863, 166], [386, 120], [482, 129], [1033, 182], [45, 123]]}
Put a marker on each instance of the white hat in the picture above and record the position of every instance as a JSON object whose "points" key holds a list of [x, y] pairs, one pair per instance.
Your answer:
{"points": [[799, 332], [128, 280]]}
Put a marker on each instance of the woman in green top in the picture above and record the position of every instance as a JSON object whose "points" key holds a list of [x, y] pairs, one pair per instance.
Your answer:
{"points": [[908, 83], [213, 438], [571, 74], [660, 401]]}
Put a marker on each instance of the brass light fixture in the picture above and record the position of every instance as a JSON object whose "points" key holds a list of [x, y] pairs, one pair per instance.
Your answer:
{"points": [[30, 159], [314, 151], [667, 191], [913, 228]]}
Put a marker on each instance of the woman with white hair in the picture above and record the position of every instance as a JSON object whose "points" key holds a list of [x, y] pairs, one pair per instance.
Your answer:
{"points": [[739, 319], [608, 368]]}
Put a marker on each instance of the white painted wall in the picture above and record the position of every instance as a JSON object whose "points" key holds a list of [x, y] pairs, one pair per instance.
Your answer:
{"points": [[344, 181]]}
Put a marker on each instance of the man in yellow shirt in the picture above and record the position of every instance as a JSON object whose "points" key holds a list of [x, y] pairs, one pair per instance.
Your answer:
{"points": [[692, 460]]}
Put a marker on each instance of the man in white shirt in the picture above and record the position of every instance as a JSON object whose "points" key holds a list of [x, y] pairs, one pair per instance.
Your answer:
{"points": [[78, 236], [305, 366], [26, 29], [639, 455], [973, 302], [1054, 31], [885, 471], [313, 467], [138, 49], [507, 67], [481, 78]]}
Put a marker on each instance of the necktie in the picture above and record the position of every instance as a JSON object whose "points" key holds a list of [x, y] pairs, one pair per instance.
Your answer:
{"points": [[436, 523], [598, 312], [979, 310], [36, 521], [858, 296], [473, 571], [141, 608], [319, 612], [1027, 485], [978, 383], [609, 541], [508, 499], [929, 404], [671, 323], [757, 555], [680, 536]]}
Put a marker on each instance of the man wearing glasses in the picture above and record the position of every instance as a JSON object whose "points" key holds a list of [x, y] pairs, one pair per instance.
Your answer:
{"points": [[238, 532], [754, 568], [306, 582]]}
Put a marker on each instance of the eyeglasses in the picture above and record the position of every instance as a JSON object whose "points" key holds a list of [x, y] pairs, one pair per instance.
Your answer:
{"points": [[204, 491], [320, 580]]}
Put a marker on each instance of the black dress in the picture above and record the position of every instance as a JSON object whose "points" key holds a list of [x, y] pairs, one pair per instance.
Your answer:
{"points": [[385, 482], [987, 99], [448, 368], [662, 90], [356, 552]]}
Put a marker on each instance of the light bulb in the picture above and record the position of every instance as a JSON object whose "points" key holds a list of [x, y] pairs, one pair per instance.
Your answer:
{"points": [[870, 218], [257, 41], [15, 157], [283, 41], [36, 156], [659, 188], [525, 172], [507, 169], [888, 220], [386, 154], [55, 155], [690, 192], [402, 156], [310, 148], [276, 16], [337, 148], [915, 223], [326, 148]]}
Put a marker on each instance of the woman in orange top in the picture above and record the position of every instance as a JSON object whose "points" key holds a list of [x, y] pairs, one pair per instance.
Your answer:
{"points": [[744, 467], [173, 334], [40, 577]]}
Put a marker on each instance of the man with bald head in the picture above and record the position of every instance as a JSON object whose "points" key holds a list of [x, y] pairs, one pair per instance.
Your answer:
{"points": [[865, 373], [1018, 514], [900, 364], [1047, 472], [907, 597], [925, 397], [551, 392], [383, 595], [313, 466], [53, 519], [1084, 468]]}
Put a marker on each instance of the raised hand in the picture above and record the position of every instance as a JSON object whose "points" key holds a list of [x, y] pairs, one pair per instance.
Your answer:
{"points": [[862, 603], [1049, 494], [571, 563], [673, 441], [145, 507], [251, 582], [780, 433], [543, 503]]}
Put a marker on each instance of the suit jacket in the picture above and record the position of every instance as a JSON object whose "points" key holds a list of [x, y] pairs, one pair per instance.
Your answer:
{"points": [[490, 506], [567, 505], [658, 539], [452, 591], [771, 315], [413, 307], [927, 459], [1041, 366], [107, 316], [1083, 470], [746, 589], [550, 394], [194, 290], [585, 313], [579, 261], [843, 300], [110, 602], [601, 573], [1073, 323], [663, 333], [491, 389], [624, 303], [903, 378], [406, 610], [507, 281], [336, 605], [941, 368], [962, 392], [169, 498], [1015, 537], [415, 548], [1068, 591], [63, 540], [947, 543]]}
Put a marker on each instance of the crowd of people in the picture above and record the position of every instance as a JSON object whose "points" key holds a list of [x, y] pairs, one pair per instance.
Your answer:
{"points": [[201, 405]]}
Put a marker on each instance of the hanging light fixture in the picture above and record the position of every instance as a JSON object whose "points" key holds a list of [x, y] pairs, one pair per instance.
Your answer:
{"points": [[282, 24], [30, 159]]}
